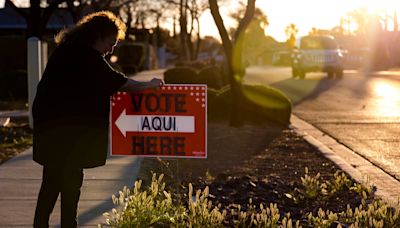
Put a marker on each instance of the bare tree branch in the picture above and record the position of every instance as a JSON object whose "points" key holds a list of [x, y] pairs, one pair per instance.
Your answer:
{"points": [[247, 17], [226, 42], [126, 2]]}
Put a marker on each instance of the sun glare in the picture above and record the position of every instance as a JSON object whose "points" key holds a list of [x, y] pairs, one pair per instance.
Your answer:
{"points": [[387, 98], [321, 14], [386, 91], [382, 5]]}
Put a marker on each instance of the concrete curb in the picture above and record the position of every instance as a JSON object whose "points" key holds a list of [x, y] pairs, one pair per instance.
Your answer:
{"points": [[360, 169]]}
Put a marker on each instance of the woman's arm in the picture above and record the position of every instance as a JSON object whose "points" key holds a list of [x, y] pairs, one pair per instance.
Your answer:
{"points": [[135, 86]]}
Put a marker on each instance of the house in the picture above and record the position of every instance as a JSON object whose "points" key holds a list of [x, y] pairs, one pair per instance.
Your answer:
{"points": [[12, 23]]}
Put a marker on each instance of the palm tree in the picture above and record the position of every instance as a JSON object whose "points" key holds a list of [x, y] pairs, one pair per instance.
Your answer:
{"points": [[291, 33]]}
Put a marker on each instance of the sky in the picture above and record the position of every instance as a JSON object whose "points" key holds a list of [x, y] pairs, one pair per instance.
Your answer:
{"points": [[305, 14]]}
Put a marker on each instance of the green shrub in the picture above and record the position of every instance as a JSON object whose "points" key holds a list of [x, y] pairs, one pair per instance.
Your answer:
{"points": [[212, 76], [180, 75], [266, 103], [260, 104], [196, 65], [155, 207], [13, 84], [313, 190]]}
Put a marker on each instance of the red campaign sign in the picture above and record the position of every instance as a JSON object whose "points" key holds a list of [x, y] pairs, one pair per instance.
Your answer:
{"points": [[169, 122]]}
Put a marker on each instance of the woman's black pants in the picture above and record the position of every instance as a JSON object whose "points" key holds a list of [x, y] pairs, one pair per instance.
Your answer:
{"points": [[68, 182]]}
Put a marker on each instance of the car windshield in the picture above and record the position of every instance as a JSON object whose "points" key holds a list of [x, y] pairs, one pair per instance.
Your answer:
{"points": [[318, 43]]}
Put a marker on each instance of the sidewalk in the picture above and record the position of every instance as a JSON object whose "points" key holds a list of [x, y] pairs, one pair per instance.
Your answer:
{"points": [[20, 180]]}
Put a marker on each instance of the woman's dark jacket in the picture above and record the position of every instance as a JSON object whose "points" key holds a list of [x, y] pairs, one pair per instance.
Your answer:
{"points": [[71, 108]]}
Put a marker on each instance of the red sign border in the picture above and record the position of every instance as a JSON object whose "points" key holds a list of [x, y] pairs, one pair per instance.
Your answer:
{"points": [[162, 156]]}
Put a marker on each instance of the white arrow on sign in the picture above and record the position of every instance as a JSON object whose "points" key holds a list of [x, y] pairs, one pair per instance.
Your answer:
{"points": [[154, 123]]}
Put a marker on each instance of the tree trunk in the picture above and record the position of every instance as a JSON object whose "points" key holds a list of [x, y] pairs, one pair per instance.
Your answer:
{"points": [[237, 55], [233, 52], [228, 48], [198, 43], [183, 33], [190, 44], [226, 42]]}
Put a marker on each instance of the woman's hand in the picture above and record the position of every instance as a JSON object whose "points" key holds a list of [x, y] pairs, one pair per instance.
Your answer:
{"points": [[136, 86], [156, 83]]}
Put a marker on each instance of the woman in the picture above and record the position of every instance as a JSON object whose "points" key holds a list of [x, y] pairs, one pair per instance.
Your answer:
{"points": [[71, 111]]}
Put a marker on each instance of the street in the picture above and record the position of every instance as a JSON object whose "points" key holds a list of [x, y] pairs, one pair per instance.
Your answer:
{"points": [[361, 111]]}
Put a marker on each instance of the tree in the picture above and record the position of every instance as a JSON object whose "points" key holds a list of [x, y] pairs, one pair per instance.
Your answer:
{"points": [[254, 39], [371, 34], [291, 33], [255, 42], [189, 15], [196, 10], [360, 17], [78, 8], [259, 19], [233, 52], [145, 13]]}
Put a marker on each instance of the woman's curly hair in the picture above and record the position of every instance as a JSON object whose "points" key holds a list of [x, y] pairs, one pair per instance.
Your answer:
{"points": [[93, 26]]}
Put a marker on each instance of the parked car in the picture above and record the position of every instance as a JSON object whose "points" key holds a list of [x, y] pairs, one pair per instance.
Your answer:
{"points": [[281, 58], [317, 53]]}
